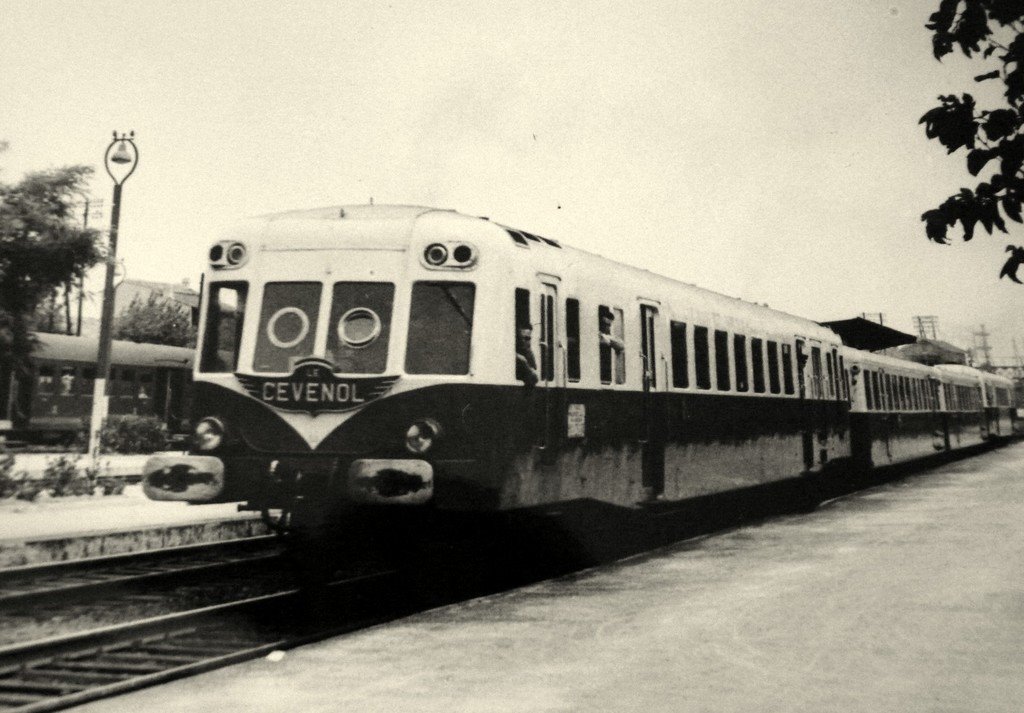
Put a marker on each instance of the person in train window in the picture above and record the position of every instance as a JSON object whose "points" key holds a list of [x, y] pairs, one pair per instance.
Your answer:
{"points": [[608, 342], [526, 364]]}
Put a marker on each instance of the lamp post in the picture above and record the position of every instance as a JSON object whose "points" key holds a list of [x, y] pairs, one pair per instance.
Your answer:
{"points": [[120, 163]]}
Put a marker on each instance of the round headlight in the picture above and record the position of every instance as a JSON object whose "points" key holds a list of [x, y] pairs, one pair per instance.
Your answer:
{"points": [[435, 254], [209, 434], [421, 434], [236, 253], [216, 253]]}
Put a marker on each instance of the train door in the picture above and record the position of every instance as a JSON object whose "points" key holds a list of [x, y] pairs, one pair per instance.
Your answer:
{"points": [[551, 369], [653, 406], [806, 417]]}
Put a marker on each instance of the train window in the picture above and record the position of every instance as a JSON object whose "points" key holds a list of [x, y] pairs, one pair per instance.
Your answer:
{"points": [[787, 368], [611, 344], [702, 357], [45, 378], [722, 360], [876, 388], [869, 397], [844, 377], [360, 326], [773, 367], [225, 315], [440, 328], [288, 322], [757, 361], [680, 358], [525, 362], [572, 339], [830, 366], [739, 347], [817, 385], [547, 336], [67, 380]]}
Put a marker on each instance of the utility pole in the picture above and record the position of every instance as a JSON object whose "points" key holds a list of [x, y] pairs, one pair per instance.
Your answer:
{"points": [[927, 324], [982, 346]]}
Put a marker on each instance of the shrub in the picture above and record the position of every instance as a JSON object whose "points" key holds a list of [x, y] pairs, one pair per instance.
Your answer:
{"points": [[61, 477], [133, 434]]}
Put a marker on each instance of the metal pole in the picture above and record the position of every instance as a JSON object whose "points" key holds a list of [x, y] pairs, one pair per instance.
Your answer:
{"points": [[81, 280], [99, 393]]}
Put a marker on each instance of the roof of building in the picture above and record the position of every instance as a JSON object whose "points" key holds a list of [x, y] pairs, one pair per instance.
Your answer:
{"points": [[861, 333]]}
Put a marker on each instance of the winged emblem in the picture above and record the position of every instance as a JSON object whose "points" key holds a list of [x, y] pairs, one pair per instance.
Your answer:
{"points": [[313, 388]]}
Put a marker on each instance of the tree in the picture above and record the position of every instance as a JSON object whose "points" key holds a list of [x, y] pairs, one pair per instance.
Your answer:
{"points": [[156, 321], [41, 250], [993, 29]]}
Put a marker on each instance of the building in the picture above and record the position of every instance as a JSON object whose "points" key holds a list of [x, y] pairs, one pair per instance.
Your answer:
{"points": [[180, 293]]}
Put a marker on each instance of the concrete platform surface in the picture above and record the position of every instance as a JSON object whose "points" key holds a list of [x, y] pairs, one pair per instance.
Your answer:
{"points": [[907, 597]]}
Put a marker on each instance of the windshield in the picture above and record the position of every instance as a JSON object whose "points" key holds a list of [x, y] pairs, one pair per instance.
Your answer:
{"points": [[288, 320], [440, 328], [225, 314], [360, 326]]}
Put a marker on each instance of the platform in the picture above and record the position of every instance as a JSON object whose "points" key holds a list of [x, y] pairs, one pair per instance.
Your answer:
{"points": [[75, 527], [906, 597]]}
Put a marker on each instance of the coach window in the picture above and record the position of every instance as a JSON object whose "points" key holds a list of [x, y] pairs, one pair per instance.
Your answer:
{"points": [[611, 344], [844, 379], [225, 315], [787, 368], [67, 380], [869, 397], [288, 321], [440, 328], [773, 367], [876, 391], [702, 357], [360, 326], [722, 360], [757, 359], [572, 339], [739, 347], [830, 367], [45, 379], [680, 359], [817, 390]]}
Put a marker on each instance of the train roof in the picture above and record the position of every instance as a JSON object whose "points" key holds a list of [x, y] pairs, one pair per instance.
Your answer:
{"points": [[876, 360], [61, 347], [390, 227]]}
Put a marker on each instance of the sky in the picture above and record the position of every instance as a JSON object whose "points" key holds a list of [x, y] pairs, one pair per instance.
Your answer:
{"points": [[765, 150]]}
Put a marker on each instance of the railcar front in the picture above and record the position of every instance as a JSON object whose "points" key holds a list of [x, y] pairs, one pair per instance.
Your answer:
{"points": [[344, 360]]}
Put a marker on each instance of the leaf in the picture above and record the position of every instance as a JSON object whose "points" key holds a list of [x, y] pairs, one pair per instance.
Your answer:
{"points": [[1011, 206], [1000, 123], [994, 74], [977, 159]]}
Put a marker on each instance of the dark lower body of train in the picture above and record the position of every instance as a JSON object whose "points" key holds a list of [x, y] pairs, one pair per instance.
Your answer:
{"points": [[597, 458]]}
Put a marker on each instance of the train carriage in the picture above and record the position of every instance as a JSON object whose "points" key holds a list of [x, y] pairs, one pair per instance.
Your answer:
{"points": [[998, 396], [367, 355], [53, 401], [961, 396], [896, 411]]}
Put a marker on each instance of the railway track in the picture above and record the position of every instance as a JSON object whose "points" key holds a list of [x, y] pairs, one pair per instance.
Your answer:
{"points": [[88, 578], [60, 672]]}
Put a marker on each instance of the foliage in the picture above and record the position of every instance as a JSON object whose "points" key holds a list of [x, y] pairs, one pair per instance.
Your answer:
{"points": [[61, 477], [993, 138], [41, 250], [133, 434], [156, 321]]}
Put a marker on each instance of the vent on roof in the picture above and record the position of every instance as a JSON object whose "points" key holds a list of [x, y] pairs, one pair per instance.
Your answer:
{"points": [[517, 236], [521, 237]]}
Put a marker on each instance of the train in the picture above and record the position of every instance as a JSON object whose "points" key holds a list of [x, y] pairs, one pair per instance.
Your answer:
{"points": [[371, 362], [51, 401]]}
